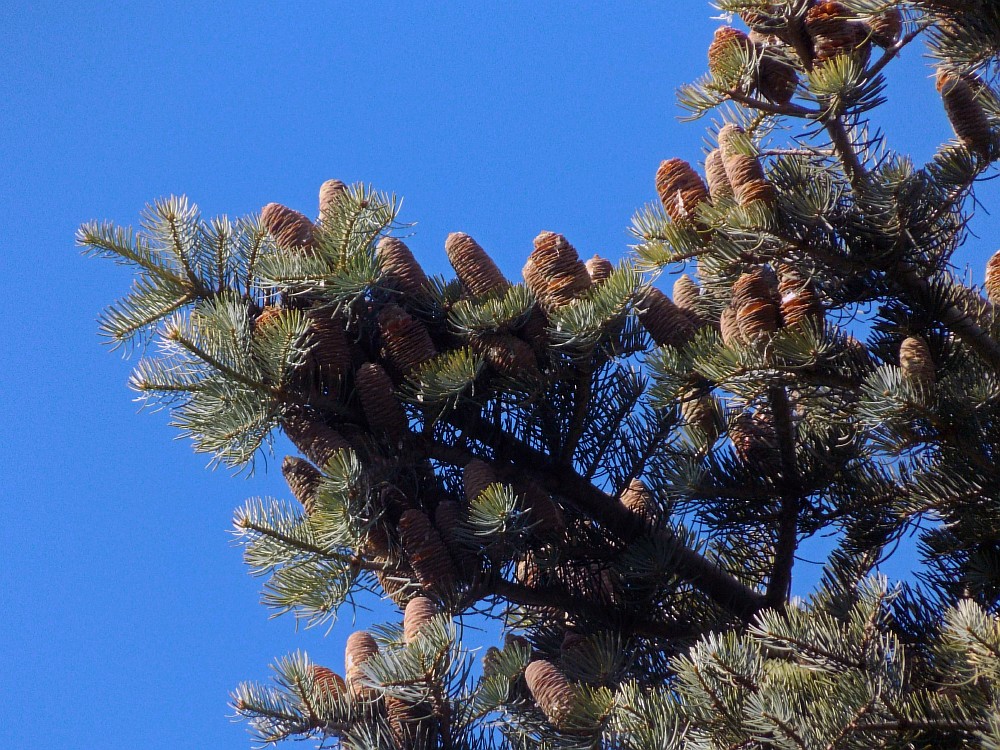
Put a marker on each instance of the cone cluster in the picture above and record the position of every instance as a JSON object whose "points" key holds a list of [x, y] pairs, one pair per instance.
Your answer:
{"points": [[745, 173], [665, 322], [361, 647], [399, 268], [550, 689], [554, 272], [680, 188], [406, 342], [426, 552], [290, 229], [965, 112], [475, 269], [916, 361], [303, 479], [419, 611], [383, 412]]}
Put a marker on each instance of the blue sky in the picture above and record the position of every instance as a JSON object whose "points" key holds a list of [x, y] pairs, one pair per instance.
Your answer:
{"points": [[126, 615]]}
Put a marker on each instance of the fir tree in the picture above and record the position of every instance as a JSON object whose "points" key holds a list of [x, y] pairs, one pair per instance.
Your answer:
{"points": [[619, 477]]}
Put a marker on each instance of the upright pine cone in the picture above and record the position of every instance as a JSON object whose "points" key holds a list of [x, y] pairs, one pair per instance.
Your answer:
{"points": [[776, 79], [404, 723], [743, 168], [728, 45], [399, 268], [476, 477], [405, 341], [638, 499], [330, 193], [966, 114], [755, 298], [551, 690], [476, 270], [680, 188], [687, 297], [886, 27], [599, 269], [546, 516], [730, 328], [396, 587], [303, 478], [799, 299], [754, 438], [317, 441], [666, 323], [378, 401], [427, 554], [916, 362], [719, 186], [554, 272], [993, 278], [419, 611], [289, 229], [361, 647], [508, 355], [699, 412], [268, 316], [330, 354], [328, 683], [833, 32]]}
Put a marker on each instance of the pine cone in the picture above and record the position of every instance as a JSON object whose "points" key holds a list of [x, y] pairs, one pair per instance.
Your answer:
{"points": [[396, 588], [754, 439], [743, 170], [313, 438], [729, 328], [327, 682], [554, 272], [400, 269], [419, 611], [886, 27], [687, 297], [427, 554], [361, 646], [404, 719], [680, 188], [546, 516], [916, 361], [376, 542], [756, 285], [508, 355], [799, 300], [378, 401], [330, 354], [966, 114], [269, 315], [727, 45], [776, 80], [599, 269], [755, 299], [993, 278], [719, 186], [330, 193], [535, 332], [551, 690], [406, 343], [476, 270], [699, 412], [666, 323], [833, 32], [476, 477], [638, 499], [289, 229], [303, 478]]}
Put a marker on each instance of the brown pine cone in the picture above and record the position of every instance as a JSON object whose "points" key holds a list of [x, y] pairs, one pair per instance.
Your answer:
{"points": [[397, 588], [916, 361], [268, 316], [699, 412], [327, 682], [330, 193], [665, 322], [546, 516], [680, 188], [508, 355], [776, 80], [599, 269], [757, 285], [404, 722], [638, 499], [427, 554], [361, 646], [554, 272], [303, 478], [729, 328], [289, 229], [378, 401], [726, 47], [754, 438], [886, 27], [687, 297], [419, 611], [551, 690], [719, 186], [799, 299], [966, 114], [313, 438], [476, 270], [400, 269], [833, 32], [476, 477], [534, 330], [330, 354], [993, 278], [406, 342], [743, 170]]}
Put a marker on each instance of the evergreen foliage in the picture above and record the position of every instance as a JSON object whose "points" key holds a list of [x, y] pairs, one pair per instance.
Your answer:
{"points": [[620, 479]]}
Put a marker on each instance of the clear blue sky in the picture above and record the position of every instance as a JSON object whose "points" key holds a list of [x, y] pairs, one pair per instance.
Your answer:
{"points": [[125, 614]]}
